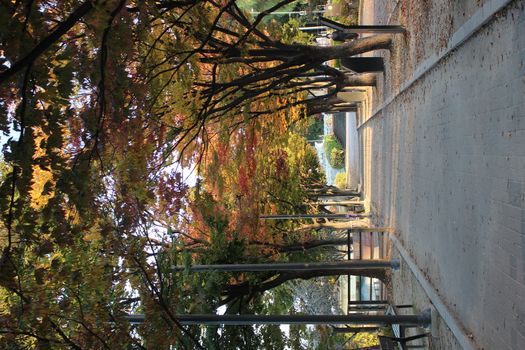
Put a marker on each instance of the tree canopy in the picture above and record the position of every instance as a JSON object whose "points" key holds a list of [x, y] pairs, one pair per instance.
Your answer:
{"points": [[104, 108]]}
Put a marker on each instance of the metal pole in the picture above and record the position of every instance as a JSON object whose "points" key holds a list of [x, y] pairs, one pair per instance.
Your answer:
{"points": [[354, 329], [365, 307], [381, 256], [421, 320], [313, 28], [302, 13], [333, 265], [342, 203], [348, 287], [334, 194], [312, 216], [360, 258], [371, 283], [368, 302], [371, 229]]}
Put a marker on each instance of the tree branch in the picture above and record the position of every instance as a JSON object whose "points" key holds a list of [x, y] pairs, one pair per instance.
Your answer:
{"points": [[44, 45]]}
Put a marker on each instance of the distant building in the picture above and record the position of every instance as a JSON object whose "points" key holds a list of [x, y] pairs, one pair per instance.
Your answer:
{"points": [[339, 127]]}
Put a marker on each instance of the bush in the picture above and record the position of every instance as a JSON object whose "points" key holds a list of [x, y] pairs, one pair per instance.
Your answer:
{"points": [[337, 158], [340, 180], [334, 152]]}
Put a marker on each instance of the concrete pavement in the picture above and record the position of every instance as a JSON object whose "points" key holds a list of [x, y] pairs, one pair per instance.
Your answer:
{"points": [[443, 162]]}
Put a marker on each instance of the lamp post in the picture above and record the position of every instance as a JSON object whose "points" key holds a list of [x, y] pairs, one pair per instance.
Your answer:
{"points": [[421, 320], [346, 266]]}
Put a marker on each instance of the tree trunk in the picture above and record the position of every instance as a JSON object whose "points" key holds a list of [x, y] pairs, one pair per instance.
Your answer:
{"points": [[312, 244], [341, 203], [295, 67], [316, 108], [275, 280], [352, 48], [368, 79], [358, 225], [330, 191], [302, 246]]}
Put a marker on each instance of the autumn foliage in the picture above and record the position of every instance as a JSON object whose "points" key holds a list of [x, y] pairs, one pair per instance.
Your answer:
{"points": [[104, 108]]}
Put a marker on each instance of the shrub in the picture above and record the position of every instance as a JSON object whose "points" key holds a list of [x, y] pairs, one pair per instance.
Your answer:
{"points": [[340, 180], [334, 152], [337, 158]]}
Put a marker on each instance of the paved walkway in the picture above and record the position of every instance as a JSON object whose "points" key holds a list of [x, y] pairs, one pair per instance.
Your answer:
{"points": [[444, 161]]}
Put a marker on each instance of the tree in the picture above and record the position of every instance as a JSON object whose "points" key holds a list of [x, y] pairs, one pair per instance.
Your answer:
{"points": [[331, 191], [85, 172], [278, 71], [104, 103]]}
